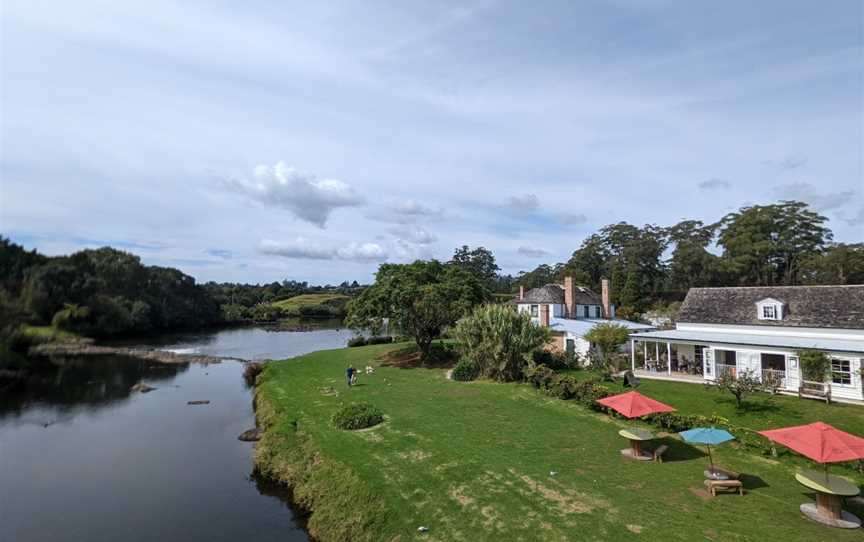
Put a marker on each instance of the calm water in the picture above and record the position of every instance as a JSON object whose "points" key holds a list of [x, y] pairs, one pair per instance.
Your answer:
{"points": [[83, 458]]}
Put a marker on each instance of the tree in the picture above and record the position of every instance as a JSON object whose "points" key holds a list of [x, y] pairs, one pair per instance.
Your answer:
{"points": [[544, 274], [480, 262], [607, 338], [841, 263], [744, 383], [499, 341], [691, 265], [815, 365], [766, 245], [421, 299]]}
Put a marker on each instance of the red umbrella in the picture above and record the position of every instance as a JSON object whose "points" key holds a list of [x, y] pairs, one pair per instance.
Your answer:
{"points": [[634, 405], [819, 441]]}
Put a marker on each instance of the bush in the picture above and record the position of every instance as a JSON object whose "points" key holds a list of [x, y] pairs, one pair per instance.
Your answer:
{"points": [[379, 340], [500, 341], [815, 365], [357, 341], [442, 353], [540, 377], [563, 387], [357, 416], [465, 371]]}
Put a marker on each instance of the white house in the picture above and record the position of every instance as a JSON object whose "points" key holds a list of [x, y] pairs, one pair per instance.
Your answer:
{"points": [[760, 330], [570, 311]]}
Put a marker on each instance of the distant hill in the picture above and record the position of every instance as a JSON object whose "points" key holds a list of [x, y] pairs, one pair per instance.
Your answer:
{"points": [[313, 306]]}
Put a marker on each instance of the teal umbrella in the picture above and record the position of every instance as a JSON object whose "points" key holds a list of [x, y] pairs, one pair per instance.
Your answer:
{"points": [[707, 436]]}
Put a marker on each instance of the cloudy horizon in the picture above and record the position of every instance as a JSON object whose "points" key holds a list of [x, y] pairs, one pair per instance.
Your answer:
{"points": [[316, 141]]}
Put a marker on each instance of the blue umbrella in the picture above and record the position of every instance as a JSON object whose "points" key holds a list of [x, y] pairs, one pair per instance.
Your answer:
{"points": [[707, 436]]}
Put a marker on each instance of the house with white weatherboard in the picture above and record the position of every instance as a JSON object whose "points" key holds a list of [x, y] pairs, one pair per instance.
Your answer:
{"points": [[760, 330], [570, 311]]}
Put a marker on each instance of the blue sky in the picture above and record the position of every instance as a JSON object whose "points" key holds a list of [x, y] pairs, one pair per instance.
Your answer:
{"points": [[257, 141]]}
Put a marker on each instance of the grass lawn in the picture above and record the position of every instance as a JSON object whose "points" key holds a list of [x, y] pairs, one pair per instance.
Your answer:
{"points": [[293, 305], [474, 461]]}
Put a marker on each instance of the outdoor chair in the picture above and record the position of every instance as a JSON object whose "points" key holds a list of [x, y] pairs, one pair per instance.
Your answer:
{"points": [[658, 453]]}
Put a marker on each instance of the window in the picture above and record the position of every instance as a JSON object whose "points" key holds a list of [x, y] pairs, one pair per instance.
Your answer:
{"points": [[596, 312], [769, 309], [535, 310], [585, 310], [841, 371], [769, 312]]}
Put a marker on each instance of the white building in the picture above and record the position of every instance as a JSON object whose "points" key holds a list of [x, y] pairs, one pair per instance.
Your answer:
{"points": [[570, 311], [760, 330]]}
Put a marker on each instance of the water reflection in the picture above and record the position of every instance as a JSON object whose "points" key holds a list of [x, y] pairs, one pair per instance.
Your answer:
{"points": [[82, 381]]}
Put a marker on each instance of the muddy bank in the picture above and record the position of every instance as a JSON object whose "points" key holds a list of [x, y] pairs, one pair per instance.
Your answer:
{"points": [[160, 356]]}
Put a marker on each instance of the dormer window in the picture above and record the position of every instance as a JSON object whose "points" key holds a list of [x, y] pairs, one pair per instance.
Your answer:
{"points": [[769, 309]]}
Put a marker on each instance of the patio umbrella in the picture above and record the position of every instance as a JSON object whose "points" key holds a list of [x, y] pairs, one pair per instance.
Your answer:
{"points": [[707, 436], [820, 442], [634, 405]]}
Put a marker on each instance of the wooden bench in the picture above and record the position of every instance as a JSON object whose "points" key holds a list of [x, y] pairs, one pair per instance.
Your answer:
{"points": [[734, 485], [815, 390], [658, 453]]}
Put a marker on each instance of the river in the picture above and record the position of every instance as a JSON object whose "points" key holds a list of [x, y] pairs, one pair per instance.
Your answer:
{"points": [[83, 458]]}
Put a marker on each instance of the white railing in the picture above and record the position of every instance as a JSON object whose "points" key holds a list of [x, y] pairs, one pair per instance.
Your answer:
{"points": [[723, 369], [775, 377]]}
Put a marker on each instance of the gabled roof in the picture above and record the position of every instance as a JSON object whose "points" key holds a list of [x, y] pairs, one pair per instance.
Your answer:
{"points": [[551, 293], [839, 307], [554, 293]]}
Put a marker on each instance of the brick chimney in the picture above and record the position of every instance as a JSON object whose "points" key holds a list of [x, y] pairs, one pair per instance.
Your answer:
{"points": [[521, 292], [544, 315], [569, 298], [605, 295]]}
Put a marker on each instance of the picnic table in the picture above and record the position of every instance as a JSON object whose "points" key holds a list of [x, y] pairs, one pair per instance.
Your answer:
{"points": [[636, 437], [830, 491]]}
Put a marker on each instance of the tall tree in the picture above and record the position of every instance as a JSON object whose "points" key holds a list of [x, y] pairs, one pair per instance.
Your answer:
{"points": [[765, 245], [421, 299], [841, 263], [480, 262], [691, 265]]}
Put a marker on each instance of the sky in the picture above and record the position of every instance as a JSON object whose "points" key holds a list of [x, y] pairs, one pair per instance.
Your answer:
{"points": [[260, 141]]}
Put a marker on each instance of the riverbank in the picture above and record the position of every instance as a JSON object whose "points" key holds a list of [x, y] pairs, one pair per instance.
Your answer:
{"points": [[484, 461], [83, 348]]}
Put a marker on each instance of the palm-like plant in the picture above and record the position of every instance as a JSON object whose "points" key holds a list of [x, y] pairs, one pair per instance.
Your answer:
{"points": [[499, 341]]}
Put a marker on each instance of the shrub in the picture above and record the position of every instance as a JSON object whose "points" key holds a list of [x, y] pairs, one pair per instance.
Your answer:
{"points": [[357, 341], [500, 341], [381, 339], [251, 372], [442, 353], [465, 371], [563, 387], [540, 377], [357, 416], [815, 365]]}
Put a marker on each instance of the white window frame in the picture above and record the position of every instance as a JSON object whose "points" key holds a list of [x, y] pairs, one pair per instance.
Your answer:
{"points": [[769, 309], [850, 380], [535, 311]]}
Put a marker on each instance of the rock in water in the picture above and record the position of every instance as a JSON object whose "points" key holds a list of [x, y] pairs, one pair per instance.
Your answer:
{"points": [[205, 402], [142, 387], [251, 435]]}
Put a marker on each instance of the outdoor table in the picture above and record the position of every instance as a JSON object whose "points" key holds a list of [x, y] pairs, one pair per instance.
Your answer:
{"points": [[636, 437], [829, 493]]}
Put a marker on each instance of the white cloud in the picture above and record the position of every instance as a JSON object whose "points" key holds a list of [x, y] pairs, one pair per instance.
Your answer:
{"points": [[414, 234], [532, 252], [714, 183], [362, 252], [855, 220], [801, 191], [573, 219], [304, 249], [302, 194]]}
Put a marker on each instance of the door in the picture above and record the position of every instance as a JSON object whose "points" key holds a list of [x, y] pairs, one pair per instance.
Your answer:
{"points": [[793, 373], [708, 363]]}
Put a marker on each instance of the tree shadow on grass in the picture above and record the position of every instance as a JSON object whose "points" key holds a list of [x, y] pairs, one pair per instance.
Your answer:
{"points": [[763, 407], [409, 358]]}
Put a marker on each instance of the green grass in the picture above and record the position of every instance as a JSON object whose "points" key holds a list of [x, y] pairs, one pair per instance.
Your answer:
{"points": [[334, 303], [472, 461]]}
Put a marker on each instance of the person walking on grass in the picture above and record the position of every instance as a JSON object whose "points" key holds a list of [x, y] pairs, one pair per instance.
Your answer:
{"points": [[349, 372]]}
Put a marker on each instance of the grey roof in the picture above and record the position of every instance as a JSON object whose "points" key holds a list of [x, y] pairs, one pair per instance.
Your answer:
{"points": [[581, 326], [752, 339], [551, 293], [840, 307], [554, 293]]}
